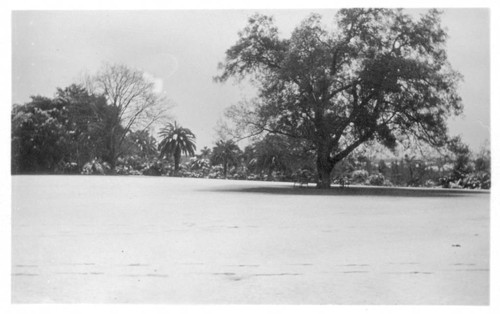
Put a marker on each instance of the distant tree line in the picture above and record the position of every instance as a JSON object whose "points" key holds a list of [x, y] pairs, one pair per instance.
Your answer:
{"points": [[277, 158], [73, 133], [454, 167]]}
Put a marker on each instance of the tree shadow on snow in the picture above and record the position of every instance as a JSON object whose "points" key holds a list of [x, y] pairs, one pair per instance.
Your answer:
{"points": [[351, 191]]}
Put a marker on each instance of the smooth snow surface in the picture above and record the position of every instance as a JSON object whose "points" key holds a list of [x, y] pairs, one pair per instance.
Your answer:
{"points": [[79, 239]]}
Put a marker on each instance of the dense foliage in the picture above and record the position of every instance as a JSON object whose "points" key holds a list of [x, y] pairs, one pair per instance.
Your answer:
{"points": [[59, 135]]}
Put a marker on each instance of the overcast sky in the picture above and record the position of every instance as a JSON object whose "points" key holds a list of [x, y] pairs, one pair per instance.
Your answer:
{"points": [[180, 50]]}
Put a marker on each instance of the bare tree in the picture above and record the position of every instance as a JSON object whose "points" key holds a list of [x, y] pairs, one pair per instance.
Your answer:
{"points": [[135, 104]]}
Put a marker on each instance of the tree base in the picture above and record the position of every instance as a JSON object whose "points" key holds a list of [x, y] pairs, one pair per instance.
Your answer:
{"points": [[323, 185]]}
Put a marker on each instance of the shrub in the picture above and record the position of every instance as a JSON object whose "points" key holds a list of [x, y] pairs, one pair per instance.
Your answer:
{"points": [[241, 174], [96, 166], [359, 176], [303, 175], [198, 167], [136, 165], [445, 181], [216, 172], [153, 170], [376, 179], [478, 180], [430, 183], [68, 168]]}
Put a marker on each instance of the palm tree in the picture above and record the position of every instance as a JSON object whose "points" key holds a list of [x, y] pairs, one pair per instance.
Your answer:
{"points": [[205, 153], [225, 153], [142, 144], [176, 140]]}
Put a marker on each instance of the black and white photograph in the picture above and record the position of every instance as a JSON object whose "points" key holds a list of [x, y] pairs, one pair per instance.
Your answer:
{"points": [[330, 155]]}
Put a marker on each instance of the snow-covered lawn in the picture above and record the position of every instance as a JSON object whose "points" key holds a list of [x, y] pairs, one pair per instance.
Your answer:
{"points": [[173, 240]]}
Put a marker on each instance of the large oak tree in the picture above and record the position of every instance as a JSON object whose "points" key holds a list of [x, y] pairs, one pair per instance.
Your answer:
{"points": [[379, 74]]}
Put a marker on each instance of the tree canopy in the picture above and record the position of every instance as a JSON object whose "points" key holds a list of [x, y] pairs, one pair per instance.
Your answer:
{"points": [[379, 74]]}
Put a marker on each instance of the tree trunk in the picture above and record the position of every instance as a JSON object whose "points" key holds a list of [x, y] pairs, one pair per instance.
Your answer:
{"points": [[112, 161], [112, 150], [324, 179], [177, 160], [324, 166]]}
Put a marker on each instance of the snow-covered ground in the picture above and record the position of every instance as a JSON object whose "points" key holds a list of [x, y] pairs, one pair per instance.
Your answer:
{"points": [[172, 240]]}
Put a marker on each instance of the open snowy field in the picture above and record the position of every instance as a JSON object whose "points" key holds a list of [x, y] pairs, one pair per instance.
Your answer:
{"points": [[172, 240]]}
